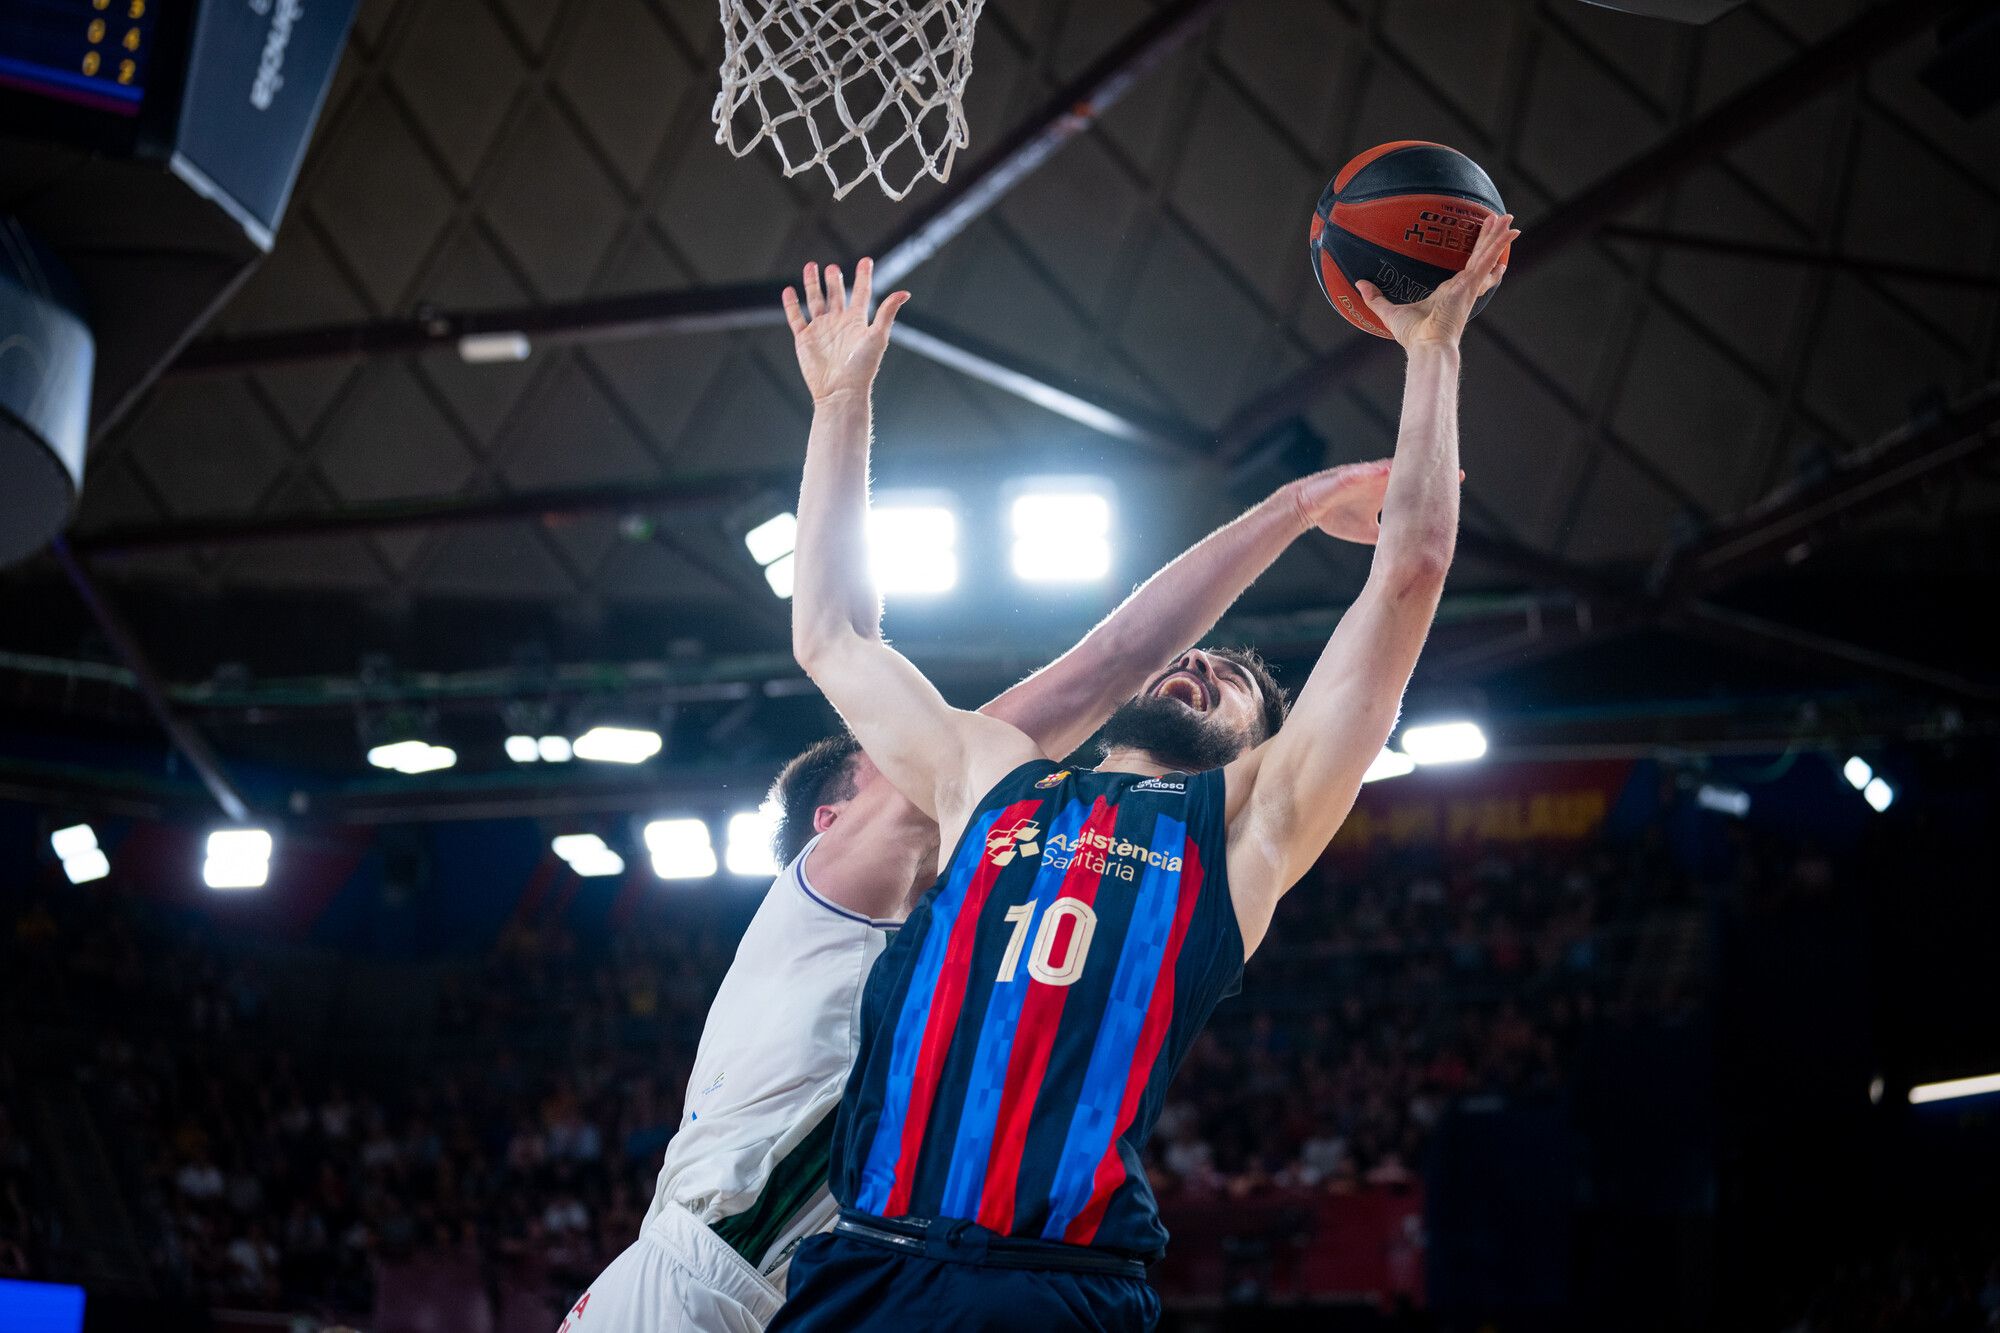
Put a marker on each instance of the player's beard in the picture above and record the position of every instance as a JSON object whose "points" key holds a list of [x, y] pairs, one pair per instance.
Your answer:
{"points": [[1171, 732]]}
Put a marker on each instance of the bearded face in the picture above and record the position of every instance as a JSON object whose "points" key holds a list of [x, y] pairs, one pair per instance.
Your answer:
{"points": [[1200, 713]]}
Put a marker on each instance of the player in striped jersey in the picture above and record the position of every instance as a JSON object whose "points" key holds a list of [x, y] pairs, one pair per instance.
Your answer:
{"points": [[745, 1176], [1018, 1035]]}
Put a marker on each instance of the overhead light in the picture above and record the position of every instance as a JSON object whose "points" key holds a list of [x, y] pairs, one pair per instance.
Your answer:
{"points": [[913, 547], [781, 574], [773, 538], [238, 858], [1062, 534], [1879, 795], [484, 349], [587, 854], [1389, 764], [554, 749], [1857, 772], [1954, 1088], [87, 866], [413, 756], [523, 749], [771, 544], [1723, 800], [617, 745], [681, 848], [749, 850], [82, 859], [1444, 742]]}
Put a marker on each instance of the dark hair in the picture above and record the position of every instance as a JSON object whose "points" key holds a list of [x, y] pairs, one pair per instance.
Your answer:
{"points": [[818, 775], [1277, 703]]}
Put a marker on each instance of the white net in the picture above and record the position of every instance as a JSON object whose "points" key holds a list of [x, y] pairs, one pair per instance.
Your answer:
{"points": [[857, 88]]}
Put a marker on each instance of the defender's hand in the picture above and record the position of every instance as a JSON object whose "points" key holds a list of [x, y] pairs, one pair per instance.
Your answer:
{"points": [[839, 347], [1441, 317], [1345, 501]]}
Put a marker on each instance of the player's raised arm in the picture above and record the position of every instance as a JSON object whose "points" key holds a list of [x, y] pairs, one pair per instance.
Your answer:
{"points": [[1288, 797], [940, 757], [1063, 703]]}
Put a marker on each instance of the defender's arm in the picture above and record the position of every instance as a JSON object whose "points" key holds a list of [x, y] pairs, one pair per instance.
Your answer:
{"points": [[941, 757], [1063, 703]]}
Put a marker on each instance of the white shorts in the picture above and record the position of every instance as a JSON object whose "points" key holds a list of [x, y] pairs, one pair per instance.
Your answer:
{"points": [[678, 1277]]}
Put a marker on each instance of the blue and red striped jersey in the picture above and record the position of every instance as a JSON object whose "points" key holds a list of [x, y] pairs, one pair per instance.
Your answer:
{"points": [[1018, 1035]]}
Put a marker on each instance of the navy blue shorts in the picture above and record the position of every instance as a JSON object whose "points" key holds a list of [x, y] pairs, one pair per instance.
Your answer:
{"points": [[839, 1284]]}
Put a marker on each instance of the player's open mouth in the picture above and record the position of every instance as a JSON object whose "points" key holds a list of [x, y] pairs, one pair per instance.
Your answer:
{"points": [[1186, 688]]}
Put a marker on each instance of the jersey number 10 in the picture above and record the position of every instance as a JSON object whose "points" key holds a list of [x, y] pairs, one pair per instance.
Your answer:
{"points": [[1039, 965]]}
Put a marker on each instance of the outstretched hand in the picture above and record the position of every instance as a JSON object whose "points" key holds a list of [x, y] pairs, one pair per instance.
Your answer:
{"points": [[1345, 501], [839, 347], [1441, 317]]}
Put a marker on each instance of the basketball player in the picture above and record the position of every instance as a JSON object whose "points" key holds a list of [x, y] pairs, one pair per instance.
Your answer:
{"points": [[1018, 1034], [745, 1176]]}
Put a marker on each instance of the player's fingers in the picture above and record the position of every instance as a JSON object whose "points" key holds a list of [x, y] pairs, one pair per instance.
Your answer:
{"points": [[1371, 296], [836, 289], [1487, 247], [885, 318], [815, 298], [794, 315], [864, 283]]}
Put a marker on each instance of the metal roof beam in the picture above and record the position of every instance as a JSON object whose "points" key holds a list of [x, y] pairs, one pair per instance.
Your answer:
{"points": [[193, 746], [1068, 113], [405, 515], [1800, 515]]}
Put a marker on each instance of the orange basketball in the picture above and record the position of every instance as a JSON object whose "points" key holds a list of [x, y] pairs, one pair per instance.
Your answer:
{"points": [[1403, 216]]}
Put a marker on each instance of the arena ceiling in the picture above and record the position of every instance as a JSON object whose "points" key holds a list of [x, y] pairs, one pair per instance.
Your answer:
{"points": [[1763, 254]]}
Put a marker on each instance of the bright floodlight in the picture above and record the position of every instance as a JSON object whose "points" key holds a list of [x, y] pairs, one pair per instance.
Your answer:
{"points": [[1857, 772], [238, 858], [913, 548], [681, 848], [781, 574], [773, 539], [749, 851], [1389, 764], [554, 749], [86, 865], [1444, 742], [1878, 794], [76, 847], [1062, 536], [73, 841], [1958, 1087], [413, 756], [587, 854], [523, 749], [617, 745], [1723, 800]]}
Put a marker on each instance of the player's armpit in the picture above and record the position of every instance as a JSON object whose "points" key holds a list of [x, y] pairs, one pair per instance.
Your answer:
{"points": [[1289, 796], [941, 758]]}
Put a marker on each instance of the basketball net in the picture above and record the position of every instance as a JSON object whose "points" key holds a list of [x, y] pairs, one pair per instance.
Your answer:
{"points": [[857, 88]]}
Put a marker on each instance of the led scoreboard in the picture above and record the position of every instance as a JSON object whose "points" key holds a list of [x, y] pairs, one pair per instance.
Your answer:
{"points": [[90, 53]]}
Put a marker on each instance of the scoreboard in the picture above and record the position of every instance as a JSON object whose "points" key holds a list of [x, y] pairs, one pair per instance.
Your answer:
{"points": [[90, 53]]}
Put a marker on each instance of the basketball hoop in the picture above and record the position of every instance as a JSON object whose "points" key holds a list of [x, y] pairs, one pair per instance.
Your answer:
{"points": [[857, 88]]}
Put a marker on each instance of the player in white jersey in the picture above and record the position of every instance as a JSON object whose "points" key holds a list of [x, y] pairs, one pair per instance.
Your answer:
{"points": [[745, 1176]]}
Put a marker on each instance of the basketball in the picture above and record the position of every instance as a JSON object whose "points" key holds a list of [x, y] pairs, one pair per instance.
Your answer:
{"points": [[1404, 216]]}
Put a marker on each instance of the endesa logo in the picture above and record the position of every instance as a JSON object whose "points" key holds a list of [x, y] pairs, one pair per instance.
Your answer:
{"points": [[1162, 784]]}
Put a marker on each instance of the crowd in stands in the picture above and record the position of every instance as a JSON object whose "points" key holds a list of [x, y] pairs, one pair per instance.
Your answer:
{"points": [[23, 1216], [513, 1110], [1924, 1283]]}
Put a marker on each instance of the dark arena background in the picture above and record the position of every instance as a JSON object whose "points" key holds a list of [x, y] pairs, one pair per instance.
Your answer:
{"points": [[394, 406]]}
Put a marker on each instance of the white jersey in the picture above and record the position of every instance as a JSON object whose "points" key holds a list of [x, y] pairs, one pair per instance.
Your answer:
{"points": [[750, 1156]]}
